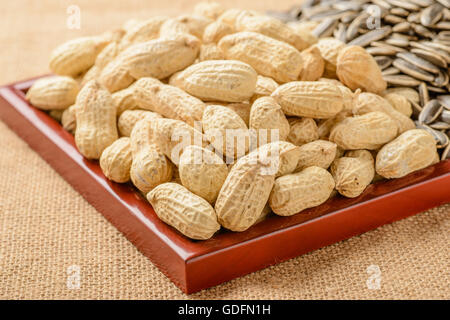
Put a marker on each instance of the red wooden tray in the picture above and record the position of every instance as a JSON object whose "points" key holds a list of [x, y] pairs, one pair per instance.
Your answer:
{"points": [[195, 265]]}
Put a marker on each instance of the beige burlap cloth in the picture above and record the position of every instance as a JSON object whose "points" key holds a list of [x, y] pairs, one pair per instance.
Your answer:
{"points": [[48, 232]]}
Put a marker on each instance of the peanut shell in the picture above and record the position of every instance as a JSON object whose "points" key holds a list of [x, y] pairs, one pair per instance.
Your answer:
{"points": [[188, 213], [202, 172], [269, 57], [296, 192], [53, 93], [356, 68], [369, 131], [313, 99], [411, 151], [116, 159], [96, 120], [218, 80]]}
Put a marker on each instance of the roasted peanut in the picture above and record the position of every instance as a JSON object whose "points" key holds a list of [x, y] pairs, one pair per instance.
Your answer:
{"points": [[264, 87], [296, 192], [129, 118], [314, 99], [302, 131], [218, 80], [399, 103], [288, 155], [76, 56], [356, 68], [329, 50], [150, 167], [269, 57], [270, 27], [202, 172], [116, 159], [221, 126], [216, 31], [188, 213], [161, 57], [172, 136], [167, 100], [369, 131], [313, 63], [369, 102], [319, 153], [95, 114], [245, 192], [53, 93], [209, 9], [124, 100], [210, 51], [353, 172], [68, 119], [412, 150], [268, 120]]}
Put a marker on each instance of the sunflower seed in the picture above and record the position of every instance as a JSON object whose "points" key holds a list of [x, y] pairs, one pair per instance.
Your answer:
{"points": [[399, 12], [416, 108], [445, 116], [430, 112], [401, 80], [436, 89], [440, 52], [404, 4], [408, 37], [314, 10], [421, 30], [383, 62], [446, 14], [352, 30], [382, 4], [440, 125], [283, 16], [393, 19], [441, 138], [445, 101], [387, 46], [349, 18], [418, 62], [332, 14], [446, 153], [371, 36], [431, 56], [431, 15], [422, 3], [390, 71], [424, 94], [339, 32], [437, 45], [325, 28], [412, 70], [445, 3], [441, 79], [399, 42], [414, 17], [348, 5], [381, 51], [402, 27]]}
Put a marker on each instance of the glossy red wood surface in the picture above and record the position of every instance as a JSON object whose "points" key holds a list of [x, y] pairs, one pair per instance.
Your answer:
{"points": [[195, 265]]}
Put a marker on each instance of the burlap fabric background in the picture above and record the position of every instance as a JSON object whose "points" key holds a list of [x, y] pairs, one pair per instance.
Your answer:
{"points": [[46, 226]]}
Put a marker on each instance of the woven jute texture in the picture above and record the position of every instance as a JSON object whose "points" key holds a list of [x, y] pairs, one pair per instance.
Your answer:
{"points": [[48, 231]]}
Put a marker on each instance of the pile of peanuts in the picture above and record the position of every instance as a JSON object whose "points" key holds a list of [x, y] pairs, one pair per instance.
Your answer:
{"points": [[271, 118]]}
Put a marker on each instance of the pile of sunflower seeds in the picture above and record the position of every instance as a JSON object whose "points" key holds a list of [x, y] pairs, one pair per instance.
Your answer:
{"points": [[409, 39]]}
